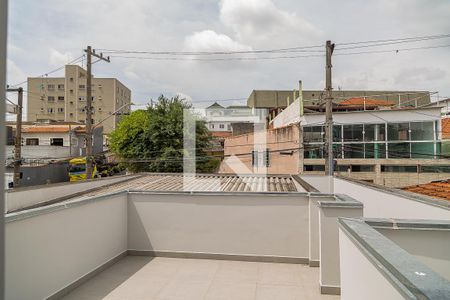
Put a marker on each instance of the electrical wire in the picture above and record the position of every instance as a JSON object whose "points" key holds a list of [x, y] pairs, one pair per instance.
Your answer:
{"points": [[76, 60], [373, 43]]}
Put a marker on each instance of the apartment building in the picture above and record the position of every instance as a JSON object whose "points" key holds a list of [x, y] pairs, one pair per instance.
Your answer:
{"points": [[64, 99]]}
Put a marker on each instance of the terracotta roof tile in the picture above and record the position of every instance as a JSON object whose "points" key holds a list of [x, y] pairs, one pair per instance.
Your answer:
{"points": [[445, 128], [437, 189], [368, 102], [45, 129], [221, 134], [53, 128]]}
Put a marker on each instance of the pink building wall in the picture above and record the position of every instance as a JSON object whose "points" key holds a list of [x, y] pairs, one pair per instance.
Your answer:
{"points": [[283, 144]]}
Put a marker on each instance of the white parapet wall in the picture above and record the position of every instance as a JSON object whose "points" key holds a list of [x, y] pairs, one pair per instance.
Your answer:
{"points": [[380, 202], [52, 247], [256, 224], [360, 279], [28, 196], [376, 262]]}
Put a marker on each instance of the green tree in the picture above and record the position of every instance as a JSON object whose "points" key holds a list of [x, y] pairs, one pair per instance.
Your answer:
{"points": [[152, 139]]}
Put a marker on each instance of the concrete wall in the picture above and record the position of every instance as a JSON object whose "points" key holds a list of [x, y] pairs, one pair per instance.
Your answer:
{"points": [[41, 152], [360, 279], [23, 197], [322, 183], [383, 204], [330, 280], [389, 179], [282, 143], [42, 174], [430, 247], [45, 253], [254, 225]]}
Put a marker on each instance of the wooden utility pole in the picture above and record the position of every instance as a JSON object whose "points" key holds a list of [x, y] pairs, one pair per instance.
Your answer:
{"points": [[89, 158], [18, 137], [329, 112]]}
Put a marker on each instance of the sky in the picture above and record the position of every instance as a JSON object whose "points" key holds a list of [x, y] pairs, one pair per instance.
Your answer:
{"points": [[46, 34]]}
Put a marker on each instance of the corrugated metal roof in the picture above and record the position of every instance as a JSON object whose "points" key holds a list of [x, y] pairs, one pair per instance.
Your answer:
{"points": [[205, 183]]}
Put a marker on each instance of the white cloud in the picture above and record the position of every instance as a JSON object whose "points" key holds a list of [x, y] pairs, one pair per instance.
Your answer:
{"points": [[209, 40], [419, 75], [57, 58], [14, 73], [260, 22]]}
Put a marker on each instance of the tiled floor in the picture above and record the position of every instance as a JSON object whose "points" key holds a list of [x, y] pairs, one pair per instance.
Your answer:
{"points": [[139, 277]]}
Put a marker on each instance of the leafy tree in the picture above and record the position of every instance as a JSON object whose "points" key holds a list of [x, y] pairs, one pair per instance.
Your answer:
{"points": [[152, 139]]}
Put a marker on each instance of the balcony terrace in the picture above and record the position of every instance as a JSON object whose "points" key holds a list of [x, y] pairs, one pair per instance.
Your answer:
{"points": [[169, 236]]}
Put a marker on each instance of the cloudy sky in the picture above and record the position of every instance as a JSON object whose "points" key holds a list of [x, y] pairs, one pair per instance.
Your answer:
{"points": [[46, 34]]}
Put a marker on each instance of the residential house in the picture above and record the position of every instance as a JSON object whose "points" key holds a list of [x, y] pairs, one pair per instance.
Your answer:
{"points": [[48, 142]]}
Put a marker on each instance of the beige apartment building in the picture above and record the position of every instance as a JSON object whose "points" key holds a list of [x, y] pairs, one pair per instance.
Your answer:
{"points": [[64, 99]]}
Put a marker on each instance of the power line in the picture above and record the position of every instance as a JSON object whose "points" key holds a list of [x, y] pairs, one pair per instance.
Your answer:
{"points": [[52, 71], [291, 49], [396, 50], [217, 59], [424, 37], [373, 43]]}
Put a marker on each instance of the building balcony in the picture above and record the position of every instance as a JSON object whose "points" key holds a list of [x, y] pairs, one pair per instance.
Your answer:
{"points": [[169, 236]]}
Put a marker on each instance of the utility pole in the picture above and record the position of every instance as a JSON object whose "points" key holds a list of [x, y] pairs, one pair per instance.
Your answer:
{"points": [[328, 112], [18, 137], [89, 54]]}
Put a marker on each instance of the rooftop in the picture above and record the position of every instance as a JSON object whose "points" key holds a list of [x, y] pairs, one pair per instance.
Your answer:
{"points": [[445, 125], [436, 189], [225, 237], [140, 277], [365, 102]]}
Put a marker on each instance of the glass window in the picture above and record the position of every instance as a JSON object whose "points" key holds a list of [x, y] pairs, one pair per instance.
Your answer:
{"points": [[337, 150], [363, 168], [422, 150], [56, 142], [435, 169], [337, 133], [353, 150], [375, 150], [313, 134], [399, 150], [342, 168], [314, 168], [60, 87], [399, 169], [51, 98], [313, 151], [353, 133], [398, 131], [51, 87], [60, 98], [374, 132], [422, 131], [32, 141]]}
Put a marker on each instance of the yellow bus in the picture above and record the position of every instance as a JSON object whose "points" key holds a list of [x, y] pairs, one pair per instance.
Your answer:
{"points": [[77, 169]]}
